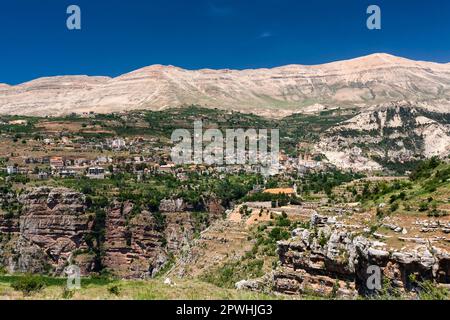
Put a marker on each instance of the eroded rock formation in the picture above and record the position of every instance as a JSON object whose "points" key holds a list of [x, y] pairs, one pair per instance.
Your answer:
{"points": [[133, 244], [50, 228], [334, 261], [56, 226]]}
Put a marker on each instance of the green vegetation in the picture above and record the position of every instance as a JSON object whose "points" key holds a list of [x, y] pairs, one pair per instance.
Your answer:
{"points": [[232, 272], [281, 199], [425, 168], [105, 288], [161, 124], [326, 181], [426, 191], [115, 290], [425, 290], [28, 284], [429, 291], [256, 262]]}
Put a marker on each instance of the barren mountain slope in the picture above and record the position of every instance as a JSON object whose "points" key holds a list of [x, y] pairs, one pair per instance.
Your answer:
{"points": [[365, 81], [394, 132]]}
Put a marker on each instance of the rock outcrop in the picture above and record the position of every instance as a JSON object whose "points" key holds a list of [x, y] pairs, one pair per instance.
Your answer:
{"points": [[172, 205], [334, 261], [180, 230], [56, 226], [133, 244], [51, 226]]}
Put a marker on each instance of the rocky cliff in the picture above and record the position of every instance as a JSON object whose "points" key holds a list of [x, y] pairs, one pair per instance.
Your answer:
{"points": [[51, 226], [333, 261], [396, 132], [55, 227], [133, 244]]}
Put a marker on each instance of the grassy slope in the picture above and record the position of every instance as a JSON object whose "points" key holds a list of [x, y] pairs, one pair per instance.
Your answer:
{"points": [[430, 186], [154, 289]]}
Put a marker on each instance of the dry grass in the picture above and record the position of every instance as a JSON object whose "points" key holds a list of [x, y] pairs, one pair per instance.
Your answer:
{"points": [[153, 289]]}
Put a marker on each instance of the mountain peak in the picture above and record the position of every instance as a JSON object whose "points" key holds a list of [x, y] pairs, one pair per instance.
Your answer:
{"points": [[361, 82], [372, 60]]}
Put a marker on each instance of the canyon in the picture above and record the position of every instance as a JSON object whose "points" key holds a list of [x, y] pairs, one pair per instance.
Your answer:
{"points": [[57, 228]]}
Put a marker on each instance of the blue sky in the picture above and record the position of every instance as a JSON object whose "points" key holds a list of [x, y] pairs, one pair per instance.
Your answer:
{"points": [[118, 36]]}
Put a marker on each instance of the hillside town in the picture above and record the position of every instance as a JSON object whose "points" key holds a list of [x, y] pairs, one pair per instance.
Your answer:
{"points": [[103, 193], [66, 155]]}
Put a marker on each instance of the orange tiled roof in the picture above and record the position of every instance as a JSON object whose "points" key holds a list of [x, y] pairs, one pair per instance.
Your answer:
{"points": [[280, 191]]}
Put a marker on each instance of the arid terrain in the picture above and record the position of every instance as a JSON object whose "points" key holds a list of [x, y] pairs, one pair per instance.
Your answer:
{"points": [[358, 83]]}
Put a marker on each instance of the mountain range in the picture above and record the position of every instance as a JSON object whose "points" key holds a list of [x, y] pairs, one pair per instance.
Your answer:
{"points": [[357, 83]]}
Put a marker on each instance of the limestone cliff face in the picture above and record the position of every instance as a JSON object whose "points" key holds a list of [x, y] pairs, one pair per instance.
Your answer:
{"points": [[133, 244], [335, 261], [214, 208], [172, 205], [394, 132], [180, 230]]}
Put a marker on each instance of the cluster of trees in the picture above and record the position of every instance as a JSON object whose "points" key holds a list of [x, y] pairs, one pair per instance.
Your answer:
{"points": [[425, 168], [376, 191], [281, 199], [326, 181]]}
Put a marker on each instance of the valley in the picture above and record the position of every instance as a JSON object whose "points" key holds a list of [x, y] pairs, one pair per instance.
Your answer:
{"points": [[356, 188]]}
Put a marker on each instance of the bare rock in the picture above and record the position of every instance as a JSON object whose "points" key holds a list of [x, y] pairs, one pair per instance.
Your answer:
{"points": [[170, 205]]}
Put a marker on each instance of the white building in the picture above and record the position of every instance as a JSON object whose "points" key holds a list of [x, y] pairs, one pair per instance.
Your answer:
{"points": [[96, 173], [12, 170], [118, 143]]}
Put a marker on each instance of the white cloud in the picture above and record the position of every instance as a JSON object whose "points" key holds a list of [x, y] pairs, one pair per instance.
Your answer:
{"points": [[266, 34]]}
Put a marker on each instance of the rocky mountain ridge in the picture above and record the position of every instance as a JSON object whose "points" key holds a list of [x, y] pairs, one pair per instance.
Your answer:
{"points": [[281, 91]]}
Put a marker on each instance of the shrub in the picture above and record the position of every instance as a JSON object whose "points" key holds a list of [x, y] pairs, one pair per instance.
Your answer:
{"points": [[278, 234], [394, 207], [283, 222], [380, 213], [115, 290], [423, 206], [323, 240], [429, 291], [374, 228], [28, 284], [67, 293], [3, 270]]}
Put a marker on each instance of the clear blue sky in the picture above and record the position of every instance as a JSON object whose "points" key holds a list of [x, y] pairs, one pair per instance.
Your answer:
{"points": [[118, 36]]}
